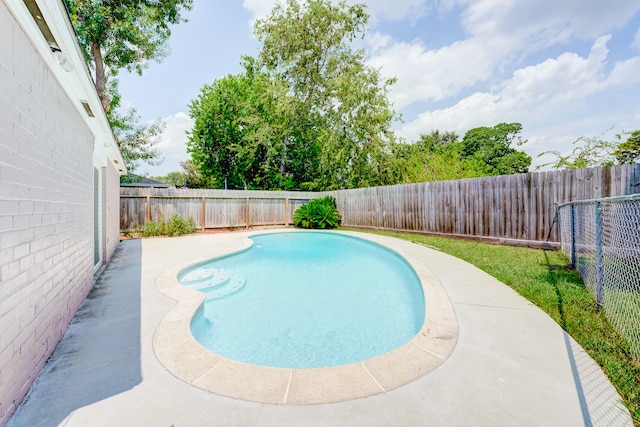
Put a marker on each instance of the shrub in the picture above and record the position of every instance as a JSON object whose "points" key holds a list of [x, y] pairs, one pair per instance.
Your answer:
{"points": [[176, 226], [319, 213], [151, 228]]}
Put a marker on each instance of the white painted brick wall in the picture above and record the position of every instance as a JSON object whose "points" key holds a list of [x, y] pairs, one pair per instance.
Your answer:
{"points": [[46, 213], [112, 201]]}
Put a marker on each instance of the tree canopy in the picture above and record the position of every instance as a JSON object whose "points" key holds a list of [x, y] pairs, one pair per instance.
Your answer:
{"points": [[439, 156], [628, 151], [125, 34], [307, 113], [137, 142], [489, 151], [236, 134], [433, 157], [590, 151]]}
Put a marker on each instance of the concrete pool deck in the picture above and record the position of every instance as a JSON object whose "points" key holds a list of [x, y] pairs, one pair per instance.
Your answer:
{"points": [[511, 365], [184, 357]]}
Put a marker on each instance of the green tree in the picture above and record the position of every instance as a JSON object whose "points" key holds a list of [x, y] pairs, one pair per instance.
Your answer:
{"points": [[194, 179], [174, 178], [590, 151], [123, 34], [628, 151], [489, 151], [433, 157], [308, 113], [238, 130], [189, 176], [338, 118], [116, 35], [137, 142]]}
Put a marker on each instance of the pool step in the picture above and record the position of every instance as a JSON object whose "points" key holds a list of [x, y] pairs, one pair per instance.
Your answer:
{"points": [[234, 284], [218, 277], [197, 276], [214, 282]]}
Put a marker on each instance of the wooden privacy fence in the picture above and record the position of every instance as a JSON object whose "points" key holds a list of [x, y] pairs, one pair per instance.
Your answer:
{"points": [[209, 209], [514, 209]]}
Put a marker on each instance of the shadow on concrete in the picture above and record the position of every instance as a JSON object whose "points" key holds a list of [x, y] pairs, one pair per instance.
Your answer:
{"points": [[99, 354], [599, 402]]}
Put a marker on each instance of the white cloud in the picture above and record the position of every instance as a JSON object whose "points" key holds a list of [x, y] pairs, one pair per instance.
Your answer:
{"points": [[549, 98], [172, 145], [548, 20], [502, 32], [557, 99], [434, 74], [259, 8], [625, 72], [396, 10]]}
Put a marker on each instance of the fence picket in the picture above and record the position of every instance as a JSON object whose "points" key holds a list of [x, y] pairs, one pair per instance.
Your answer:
{"points": [[510, 207]]}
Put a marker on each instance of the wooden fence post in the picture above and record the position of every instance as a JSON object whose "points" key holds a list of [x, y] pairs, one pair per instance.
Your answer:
{"points": [[147, 211], [202, 214], [286, 211], [247, 211]]}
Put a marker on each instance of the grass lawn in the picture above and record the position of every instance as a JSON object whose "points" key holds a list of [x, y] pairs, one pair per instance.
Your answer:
{"points": [[547, 279]]}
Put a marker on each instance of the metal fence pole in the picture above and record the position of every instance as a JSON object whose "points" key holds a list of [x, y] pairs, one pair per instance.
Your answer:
{"points": [[598, 254], [572, 221]]}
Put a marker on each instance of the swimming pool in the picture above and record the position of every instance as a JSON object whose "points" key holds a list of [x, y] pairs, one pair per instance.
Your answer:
{"points": [[178, 351], [306, 300]]}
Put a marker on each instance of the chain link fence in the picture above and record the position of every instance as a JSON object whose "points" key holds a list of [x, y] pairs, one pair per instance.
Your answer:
{"points": [[602, 239]]}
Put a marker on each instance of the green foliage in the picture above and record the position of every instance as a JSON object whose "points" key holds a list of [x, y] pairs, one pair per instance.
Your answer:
{"points": [[597, 151], [116, 35], [433, 157], [176, 226], [303, 216], [236, 134], [193, 178], [308, 113], [339, 104], [588, 152], [440, 156], [628, 151], [189, 177], [487, 151], [177, 179], [152, 228], [137, 142], [319, 213], [130, 33]]}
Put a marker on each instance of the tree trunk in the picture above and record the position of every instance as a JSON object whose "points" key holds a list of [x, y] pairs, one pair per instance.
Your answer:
{"points": [[100, 75]]}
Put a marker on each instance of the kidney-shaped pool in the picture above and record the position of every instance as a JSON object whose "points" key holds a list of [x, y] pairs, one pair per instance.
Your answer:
{"points": [[306, 300]]}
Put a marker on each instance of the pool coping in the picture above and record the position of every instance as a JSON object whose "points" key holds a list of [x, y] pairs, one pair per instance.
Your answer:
{"points": [[179, 352]]}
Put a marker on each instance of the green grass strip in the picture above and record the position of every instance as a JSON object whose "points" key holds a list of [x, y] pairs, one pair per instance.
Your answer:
{"points": [[547, 279]]}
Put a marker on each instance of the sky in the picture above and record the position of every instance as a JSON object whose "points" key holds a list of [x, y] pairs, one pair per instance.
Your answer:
{"points": [[564, 69]]}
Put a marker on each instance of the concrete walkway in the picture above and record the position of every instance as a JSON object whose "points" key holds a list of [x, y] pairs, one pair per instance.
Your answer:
{"points": [[512, 364]]}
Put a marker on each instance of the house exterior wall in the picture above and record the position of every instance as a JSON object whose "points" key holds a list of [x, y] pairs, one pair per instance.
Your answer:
{"points": [[112, 211], [46, 211]]}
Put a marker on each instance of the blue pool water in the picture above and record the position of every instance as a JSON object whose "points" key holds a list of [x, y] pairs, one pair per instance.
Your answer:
{"points": [[306, 300]]}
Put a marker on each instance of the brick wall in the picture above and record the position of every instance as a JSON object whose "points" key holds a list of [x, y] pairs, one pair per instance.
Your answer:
{"points": [[46, 213], [112, 201]]}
